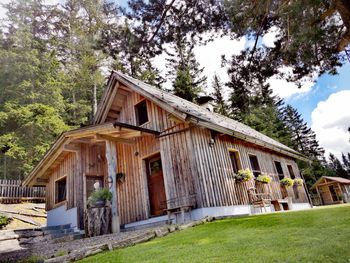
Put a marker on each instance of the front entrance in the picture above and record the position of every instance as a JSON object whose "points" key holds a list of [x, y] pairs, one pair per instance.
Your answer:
{"points": [[157, 197]]}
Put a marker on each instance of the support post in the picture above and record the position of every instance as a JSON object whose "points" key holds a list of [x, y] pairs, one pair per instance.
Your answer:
{"points": [[111, 157]]}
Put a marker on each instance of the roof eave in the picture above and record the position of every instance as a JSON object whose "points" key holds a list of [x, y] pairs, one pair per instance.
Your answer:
{"points": [[246, 138]]}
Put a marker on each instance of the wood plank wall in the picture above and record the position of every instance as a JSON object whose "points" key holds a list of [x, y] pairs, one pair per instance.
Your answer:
{"points": [[190, 166], [216, 183], [66, 168]]}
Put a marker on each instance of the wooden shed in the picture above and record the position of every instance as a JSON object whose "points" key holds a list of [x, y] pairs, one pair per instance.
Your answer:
{"points": [[172, 153], [332, 190]]}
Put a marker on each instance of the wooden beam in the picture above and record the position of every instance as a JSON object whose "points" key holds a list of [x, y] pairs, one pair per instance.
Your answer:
{"points": [[113, 139], [42, 180], [71, 148], [111, 157]]}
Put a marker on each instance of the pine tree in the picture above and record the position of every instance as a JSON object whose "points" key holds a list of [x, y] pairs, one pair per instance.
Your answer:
{"points": [[30, 87], [188, 81], [346, 163], [337, 166], [220, 103], [303, 138]]}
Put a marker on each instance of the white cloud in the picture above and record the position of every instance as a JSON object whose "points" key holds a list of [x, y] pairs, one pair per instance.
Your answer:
{"points": [[285, 89], [209, 57], [330, 121]]}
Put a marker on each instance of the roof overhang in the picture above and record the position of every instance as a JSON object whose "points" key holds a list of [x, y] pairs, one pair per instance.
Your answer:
{"points": [[112, 131]]}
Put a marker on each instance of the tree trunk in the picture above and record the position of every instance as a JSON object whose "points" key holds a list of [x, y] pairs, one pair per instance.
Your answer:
{"points": [[94, 101]]}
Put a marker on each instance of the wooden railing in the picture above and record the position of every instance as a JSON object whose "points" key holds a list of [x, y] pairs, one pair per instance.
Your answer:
{"points": [[12, 191]]}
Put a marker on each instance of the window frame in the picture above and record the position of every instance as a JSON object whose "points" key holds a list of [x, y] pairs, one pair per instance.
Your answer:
{"points": [[136, 110], [251, 166], [291, 175], [237, 156], [57, 202], [280, 176]]}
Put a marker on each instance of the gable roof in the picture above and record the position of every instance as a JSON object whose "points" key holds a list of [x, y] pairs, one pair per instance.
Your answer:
{"points": [[194, 113], [332, 178]]}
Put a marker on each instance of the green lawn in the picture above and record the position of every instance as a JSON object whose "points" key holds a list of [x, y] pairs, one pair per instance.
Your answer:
{"points": [[315, 235], [3, 221]]}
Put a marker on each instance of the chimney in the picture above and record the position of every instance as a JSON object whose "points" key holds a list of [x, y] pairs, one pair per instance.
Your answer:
{"points": [[206, 102]]}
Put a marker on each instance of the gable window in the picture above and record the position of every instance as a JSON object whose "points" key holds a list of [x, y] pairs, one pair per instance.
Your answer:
{"points": [[235, 160], [291, 172], [61, 190], [255, 165], [279, 170], [141, 113]]}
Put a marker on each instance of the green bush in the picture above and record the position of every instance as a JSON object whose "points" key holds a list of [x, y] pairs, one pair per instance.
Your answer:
{"points": [[101, 194], [287, 182], [244, 175], [4, 221], [264, 178]]}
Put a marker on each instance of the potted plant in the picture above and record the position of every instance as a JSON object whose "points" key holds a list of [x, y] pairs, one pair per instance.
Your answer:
{"points": [[244, 175], [298, 182], [287, 182], [264, 179], [99, 197]]}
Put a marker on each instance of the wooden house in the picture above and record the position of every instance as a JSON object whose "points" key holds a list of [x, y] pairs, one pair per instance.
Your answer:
{"points": [[332, 190], [172, 154]]}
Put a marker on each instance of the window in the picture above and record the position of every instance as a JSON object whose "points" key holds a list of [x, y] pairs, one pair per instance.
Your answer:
{"points": [[279, 170], [141, 113], [90, 181], [61, 190], [235, 160], [255, 165], [291, 172]]}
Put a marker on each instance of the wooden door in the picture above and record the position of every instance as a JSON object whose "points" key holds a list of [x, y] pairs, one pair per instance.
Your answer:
{"points": [[157, 197]]}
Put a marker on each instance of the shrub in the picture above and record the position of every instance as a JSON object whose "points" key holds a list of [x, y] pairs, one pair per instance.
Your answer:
{"points": [[264, 178], [298, 181], [102, 194], [287, 182], [4, 221], [244, 175]]}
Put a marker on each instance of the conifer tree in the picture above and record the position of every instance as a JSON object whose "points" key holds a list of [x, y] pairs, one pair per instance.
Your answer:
{"points": [[335, 164], [185, 71], [220, 103], [303, 138]]}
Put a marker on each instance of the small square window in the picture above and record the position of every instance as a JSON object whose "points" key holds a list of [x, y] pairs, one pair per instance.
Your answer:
{"points": [[291, 172], [255, 165], [279, 170], [61, 190], [235, 161], [141, 113]]}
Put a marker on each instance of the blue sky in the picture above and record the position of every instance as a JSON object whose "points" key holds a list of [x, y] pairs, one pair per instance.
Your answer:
{"points": [[323, 88]]}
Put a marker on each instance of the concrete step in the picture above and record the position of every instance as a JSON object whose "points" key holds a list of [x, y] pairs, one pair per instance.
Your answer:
{"points": [[58, 231], [58, 227]]}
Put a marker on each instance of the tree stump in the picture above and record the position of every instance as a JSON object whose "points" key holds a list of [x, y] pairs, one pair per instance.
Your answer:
{"points": [[97, 221]]}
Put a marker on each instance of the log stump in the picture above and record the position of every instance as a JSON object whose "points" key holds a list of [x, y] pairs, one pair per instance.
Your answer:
{"points": [[97, 221]]}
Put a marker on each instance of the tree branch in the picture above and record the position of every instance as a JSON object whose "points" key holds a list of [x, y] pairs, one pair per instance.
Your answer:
{"points": [[161, 21]]}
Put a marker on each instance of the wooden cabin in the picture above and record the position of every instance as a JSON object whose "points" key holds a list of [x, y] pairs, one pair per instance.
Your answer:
{"points": [[172, 154], [332, 190]]}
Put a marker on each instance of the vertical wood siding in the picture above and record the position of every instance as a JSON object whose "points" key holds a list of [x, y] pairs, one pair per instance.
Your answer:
{"points": [[216, 183], [190, 166]]}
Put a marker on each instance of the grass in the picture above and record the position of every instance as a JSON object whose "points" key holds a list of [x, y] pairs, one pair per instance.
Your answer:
{"points": [[315, 235], [4, 221]]}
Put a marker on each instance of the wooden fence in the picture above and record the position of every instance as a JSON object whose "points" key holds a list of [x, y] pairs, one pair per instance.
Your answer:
{"points": [[12, 191]]}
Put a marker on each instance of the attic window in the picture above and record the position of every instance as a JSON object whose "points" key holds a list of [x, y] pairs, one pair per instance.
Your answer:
{"points": [[141, 113], [61, 190]]}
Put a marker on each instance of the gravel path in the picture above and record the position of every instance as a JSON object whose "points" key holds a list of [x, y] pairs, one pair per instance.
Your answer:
{"points": [[50, 250]]}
